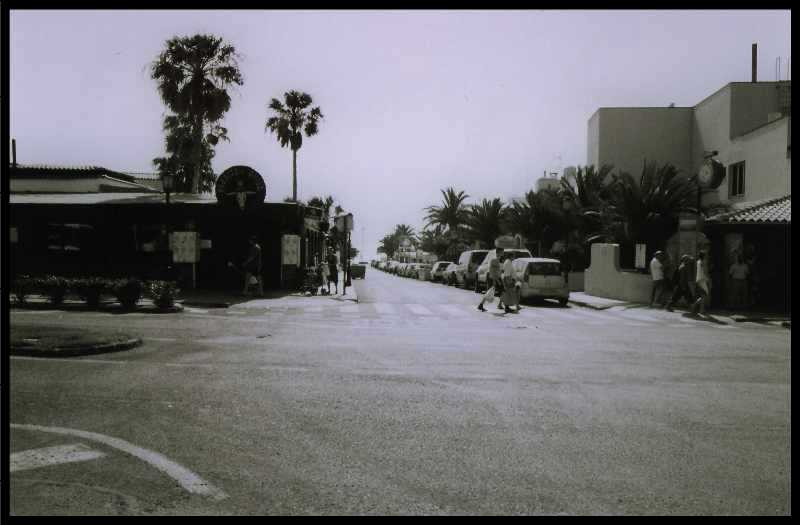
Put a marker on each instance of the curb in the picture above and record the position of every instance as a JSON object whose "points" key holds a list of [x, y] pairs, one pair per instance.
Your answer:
{"points": [[78, 351], [589, 305], [205, 304]]}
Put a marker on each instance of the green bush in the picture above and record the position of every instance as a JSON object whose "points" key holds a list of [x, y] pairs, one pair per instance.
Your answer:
{"points": [[54, 287], [163, 293], [128, 292], [22, 287], [90, 289]]}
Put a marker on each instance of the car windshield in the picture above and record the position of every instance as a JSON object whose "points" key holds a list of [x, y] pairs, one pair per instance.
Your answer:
{"points": [[544, 268]]}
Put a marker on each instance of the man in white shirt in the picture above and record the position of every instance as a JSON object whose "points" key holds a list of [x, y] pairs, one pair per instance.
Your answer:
{"points": [[657, 272], [510, 296]]}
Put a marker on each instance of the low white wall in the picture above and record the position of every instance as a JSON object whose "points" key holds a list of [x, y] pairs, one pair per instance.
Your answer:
{"points": [[576, 281], [605, 279]]}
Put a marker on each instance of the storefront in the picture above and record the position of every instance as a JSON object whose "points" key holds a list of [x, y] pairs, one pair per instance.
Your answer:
{"points": [[761, 235], [129, 235]]}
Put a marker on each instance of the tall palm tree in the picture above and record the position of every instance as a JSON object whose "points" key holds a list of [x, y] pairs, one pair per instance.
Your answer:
{"points": [[539, 218], [291, 118], [193, 75], [485, 222], [452, 214]]}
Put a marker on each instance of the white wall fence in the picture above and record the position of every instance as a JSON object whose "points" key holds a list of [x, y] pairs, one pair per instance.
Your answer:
{"points": [[604, 278]]}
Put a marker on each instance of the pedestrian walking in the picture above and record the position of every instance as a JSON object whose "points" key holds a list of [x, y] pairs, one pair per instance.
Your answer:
{"points": [[333, 274], [684, 283], [252, 268], [657, 273], [493, 280], [325, 274], [739, 273], [510, 296], [703, 284]]}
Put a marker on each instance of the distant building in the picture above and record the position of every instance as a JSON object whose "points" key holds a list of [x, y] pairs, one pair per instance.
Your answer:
{"points": [[549, 181]]}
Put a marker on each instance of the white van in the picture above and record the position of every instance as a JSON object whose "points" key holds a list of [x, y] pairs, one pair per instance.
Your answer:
{"points": [[541, 279]]}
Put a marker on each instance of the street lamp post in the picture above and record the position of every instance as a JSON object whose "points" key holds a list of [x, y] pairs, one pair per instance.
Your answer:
{"points": [[168, 184]]}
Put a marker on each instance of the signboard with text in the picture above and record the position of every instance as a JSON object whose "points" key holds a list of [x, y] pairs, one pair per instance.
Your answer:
{"points": [[185, 247], [290, 250]]}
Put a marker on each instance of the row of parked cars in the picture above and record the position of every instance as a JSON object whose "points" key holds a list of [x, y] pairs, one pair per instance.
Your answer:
{"points": [[539, 278]]}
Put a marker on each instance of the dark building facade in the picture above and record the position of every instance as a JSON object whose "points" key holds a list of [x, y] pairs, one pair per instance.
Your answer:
{"points": [[128, 235]]}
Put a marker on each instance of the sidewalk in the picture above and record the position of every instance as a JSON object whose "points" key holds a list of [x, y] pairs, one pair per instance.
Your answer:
{"points": [[603, 303], [271, 298]]}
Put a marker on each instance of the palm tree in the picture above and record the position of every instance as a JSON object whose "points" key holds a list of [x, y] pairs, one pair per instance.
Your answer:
{"points": [[193, 75], [540, 218], [647, 210], [452, 214], [291, 117], [484, 221]]}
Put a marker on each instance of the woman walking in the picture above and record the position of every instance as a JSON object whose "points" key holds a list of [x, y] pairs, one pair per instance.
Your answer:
{"points": [[703, 285]]}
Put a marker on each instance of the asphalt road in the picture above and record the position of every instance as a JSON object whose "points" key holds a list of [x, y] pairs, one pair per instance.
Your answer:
{"points": [[409, 402]]}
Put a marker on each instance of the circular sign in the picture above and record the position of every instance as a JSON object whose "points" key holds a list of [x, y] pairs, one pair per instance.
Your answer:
{"points": [[711, 174], [240, 186]]}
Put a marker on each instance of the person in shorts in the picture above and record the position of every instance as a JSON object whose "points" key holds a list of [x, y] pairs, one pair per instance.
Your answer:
{"points": [[252, 268], [493, 279], [333, 273]]}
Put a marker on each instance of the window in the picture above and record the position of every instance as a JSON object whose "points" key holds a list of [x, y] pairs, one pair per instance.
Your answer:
{"points": [[67, 238], [736, 180]]}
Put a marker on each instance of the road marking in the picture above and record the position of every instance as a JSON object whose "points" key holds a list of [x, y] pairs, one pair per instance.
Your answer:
{"points": [[43, 457], [190, 481], [67, 359], [419, 309]]}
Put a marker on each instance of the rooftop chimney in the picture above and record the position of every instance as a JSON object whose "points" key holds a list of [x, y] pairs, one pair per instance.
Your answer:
{"points": [[755, 61]]}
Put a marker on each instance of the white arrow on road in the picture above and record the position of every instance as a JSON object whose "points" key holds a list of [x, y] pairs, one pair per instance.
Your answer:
{"points": [[43, 457]]}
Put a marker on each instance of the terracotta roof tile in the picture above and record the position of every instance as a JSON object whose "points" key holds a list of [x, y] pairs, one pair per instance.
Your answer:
{"points": [[771, 211]]}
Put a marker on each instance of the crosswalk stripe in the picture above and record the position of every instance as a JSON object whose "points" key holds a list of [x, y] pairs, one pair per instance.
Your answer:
{"points": [[419, 309], [43, 457]]}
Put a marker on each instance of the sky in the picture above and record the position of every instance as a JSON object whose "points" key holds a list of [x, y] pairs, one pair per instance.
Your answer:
{"points": [[413, 101]]}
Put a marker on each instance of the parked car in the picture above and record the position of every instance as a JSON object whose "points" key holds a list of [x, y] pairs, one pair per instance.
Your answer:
{"points": [[438, 269], [420, 271], [541, 278], [358, 270], [468, 263], [449, 274], [483, 269]]}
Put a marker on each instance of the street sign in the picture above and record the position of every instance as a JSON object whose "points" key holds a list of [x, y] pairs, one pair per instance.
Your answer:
{"points": [[185, 247], [290, 250]]}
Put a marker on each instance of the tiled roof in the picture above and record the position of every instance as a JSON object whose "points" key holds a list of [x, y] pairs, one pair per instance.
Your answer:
{"points": [[143, 175], [46, 170], [771, 211]]}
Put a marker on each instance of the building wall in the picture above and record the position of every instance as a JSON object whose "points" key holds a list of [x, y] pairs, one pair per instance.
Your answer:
{"points": [[767, 170], [625, 137], [751, 104], [605, 279], [551, 183]]}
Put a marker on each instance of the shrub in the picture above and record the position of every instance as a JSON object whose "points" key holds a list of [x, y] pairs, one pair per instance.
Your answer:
{"points": [[22, 287], [163, 293], [54, 287], [128, 292], [90, 289]]}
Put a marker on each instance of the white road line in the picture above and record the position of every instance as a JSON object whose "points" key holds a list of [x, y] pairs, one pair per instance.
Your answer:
{"points": [[384, 308], [185, 477], [43, 457], [418, 309]]}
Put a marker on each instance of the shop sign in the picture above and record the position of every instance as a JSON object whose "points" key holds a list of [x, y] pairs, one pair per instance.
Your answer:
{"points": [[641, 256], [240, 186], [290, 250], [185, 247]]}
